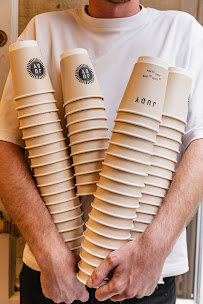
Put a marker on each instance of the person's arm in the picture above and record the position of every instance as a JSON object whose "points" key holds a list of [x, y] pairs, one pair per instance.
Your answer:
{"points": [[23, 201], [138, 265]]}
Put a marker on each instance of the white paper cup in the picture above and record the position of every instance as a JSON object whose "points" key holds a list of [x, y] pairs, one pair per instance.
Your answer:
{"points": [[87, 178], [91, 145], [158, 181], [88, 269], [86, 189], [88, 156], [105, 242], [60, 197], [42, 129], [76, 251], [88, 166], [82, 277], [49, 148], [147, 208], [156, 191], [93, 123], [109, 220], [114, 210], [67, 215], [88, 112], [138, 118], [143, 218], [72, 234], [116, 198], [38, 108], [78, 104], [120, 187], [134, 235], [52, 167], [153, 200], [168, 142], [43, 139], [75, 243], [158, 171], [93, 133], [56, 176], [64, 206], [49, 158], [169, 132], [38, 118], [113, 172], [95, 250], [157, 160], [35, 99], [90, 259], [140, 226], [132, 153], [173, 122], [69, 224], [165, 152], [136, 130], [131, 141], [56, 187]]}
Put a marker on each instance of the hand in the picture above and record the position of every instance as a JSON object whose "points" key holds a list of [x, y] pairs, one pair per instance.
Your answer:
{"points": [[59, 281], [137, 269]]}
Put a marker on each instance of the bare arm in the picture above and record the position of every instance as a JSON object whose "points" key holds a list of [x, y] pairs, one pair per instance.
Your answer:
{"points": [[148, 253], [23, 201]]}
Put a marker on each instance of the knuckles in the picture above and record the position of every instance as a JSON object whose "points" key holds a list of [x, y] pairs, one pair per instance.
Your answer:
{"points": [[129, 294], [112, 260]]}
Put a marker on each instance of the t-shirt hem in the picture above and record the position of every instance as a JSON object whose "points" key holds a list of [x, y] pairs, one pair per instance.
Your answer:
{"points": [[11, 137]]}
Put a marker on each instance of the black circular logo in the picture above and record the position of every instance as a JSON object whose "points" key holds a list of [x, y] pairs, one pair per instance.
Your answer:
{"points": [[84, 74], [36, 68]]}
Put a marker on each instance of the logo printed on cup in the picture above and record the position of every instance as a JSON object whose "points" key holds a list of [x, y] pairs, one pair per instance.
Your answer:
{"points": [[36, 68], [84, 74], [146, 101]]}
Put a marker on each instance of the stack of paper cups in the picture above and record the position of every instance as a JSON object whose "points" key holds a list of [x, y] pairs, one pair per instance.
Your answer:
{"points": [[44, 140], [166, 148], [126, 164], [86, 118]]}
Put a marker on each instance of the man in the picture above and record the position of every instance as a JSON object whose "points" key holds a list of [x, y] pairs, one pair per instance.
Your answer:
{"points": [[115, 33]]}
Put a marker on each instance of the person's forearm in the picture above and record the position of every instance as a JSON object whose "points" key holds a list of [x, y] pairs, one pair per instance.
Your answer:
{"points": [[22, 199], [181, 201]]}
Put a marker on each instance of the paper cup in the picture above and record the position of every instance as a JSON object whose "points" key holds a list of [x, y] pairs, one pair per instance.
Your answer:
{"points": [[95, 250], [78, 104], [90, 259], [116, 198], [76, 251], [156, 191], [87, 178], [169, 132], [148, 209], [85, 113], [163, 162], [93, 133], [104, 242], [35, 99], [69, 224], [74, 243], [109, 220], [44, 139], [143, 218], [42, 129], [123, 164], [49, 157], [168, 142], [140, 226], [132, 153], [88, 166], [91, 145], [146, 88], [165, 152], [69, 205], [60, 197], [136, 130], [160, 171], [36, 118], [59, 186], [134, 235], [171, 127], [47, 148], [115, 173], [177, 93], [67, 215], [158, 181], [114, 210], [173, 122], [88, 156], [78, 71], [133, 142], [39, 108], [153, 200], [93, 123], [52, 167], [138, 118], [55, 176], [72, 234], [86, 189], [26, 60], [82, 277], [88, 269], [120, 187]]}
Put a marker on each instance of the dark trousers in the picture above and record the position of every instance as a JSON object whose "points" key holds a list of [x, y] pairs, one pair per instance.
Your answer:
{"points": [[31, 292]]}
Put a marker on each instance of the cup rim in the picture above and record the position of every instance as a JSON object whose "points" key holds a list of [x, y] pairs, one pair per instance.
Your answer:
{"points": [[153, 204], [56, 182], [90, 254], [73, 239], [84, 184], [106, 235], [130, 148], [58, 192], [142, 222], [147, 212], [49, 153], [86, 173], [88, 162], [53, 172], [162, 167], [32, 94], [110, 202], [23, 44], [50, 163], [82, 98], [88, 151], [119, 193], [164, 157], [85, 119], [92, 264], [73, 228], [87, 140], [100, 245], [81, 269], [112, 214], [128, 159], [152, 194], [35, 104], [174, 117], [86, 249], [84, 109], [154, 61], [74, 248], [165, 147], [63, 211], [133, 135], [73, 218], [39, 124], [171, 127], [136, 124], [121, 169], [121, 182], [87, 130], [42, 134], [138, 113], [108, 225], [46, 144], [159, 176], [37, 113], [60, 202]]}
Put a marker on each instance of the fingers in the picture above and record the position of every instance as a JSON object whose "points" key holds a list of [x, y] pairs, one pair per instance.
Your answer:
{"points": [[84, 297], [102, 271], [112, 288]]}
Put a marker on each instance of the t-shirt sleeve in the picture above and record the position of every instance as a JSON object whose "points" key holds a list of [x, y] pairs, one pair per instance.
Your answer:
{"points": [[9, 125], [194, 128]]}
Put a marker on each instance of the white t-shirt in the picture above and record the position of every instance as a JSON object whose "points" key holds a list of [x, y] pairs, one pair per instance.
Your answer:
{"points": [[114, 46]]}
